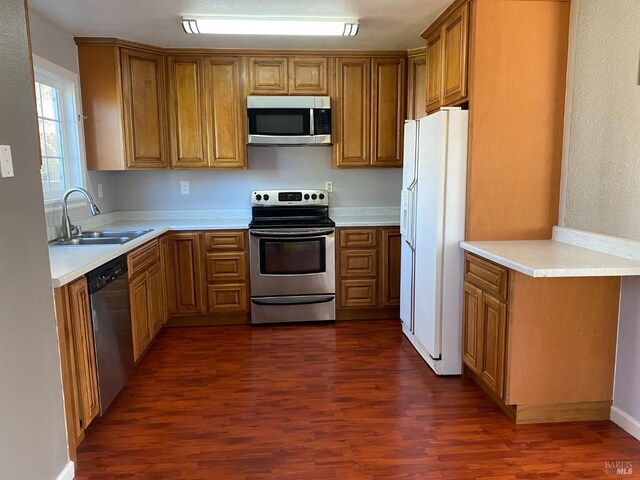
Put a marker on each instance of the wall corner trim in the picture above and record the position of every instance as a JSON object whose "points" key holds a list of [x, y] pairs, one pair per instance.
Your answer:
{"points": [[626, 422], [68, 472]]}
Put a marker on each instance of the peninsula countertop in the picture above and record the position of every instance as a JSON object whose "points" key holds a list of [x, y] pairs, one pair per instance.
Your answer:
{"points": [[552, 258]]}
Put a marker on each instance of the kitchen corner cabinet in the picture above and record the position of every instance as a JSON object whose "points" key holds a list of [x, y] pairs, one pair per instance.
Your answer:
{"points": [[123, 101], [447, 58], [206, 112], [77, 356], [146, 296], [288, 75], [516, 333], [369, 112], [368, 272]]}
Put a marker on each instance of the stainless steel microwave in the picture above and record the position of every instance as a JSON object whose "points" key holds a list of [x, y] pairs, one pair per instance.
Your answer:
{"points": [[289, 120]]}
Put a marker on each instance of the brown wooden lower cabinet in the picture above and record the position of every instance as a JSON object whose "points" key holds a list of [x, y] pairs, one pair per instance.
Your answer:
{"points": [[542, 348], [146, 296], [77, 354], [368, 272]]}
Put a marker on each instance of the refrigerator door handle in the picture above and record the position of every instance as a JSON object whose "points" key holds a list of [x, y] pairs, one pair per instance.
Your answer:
{"points": [[411, 220], [404, 213]]}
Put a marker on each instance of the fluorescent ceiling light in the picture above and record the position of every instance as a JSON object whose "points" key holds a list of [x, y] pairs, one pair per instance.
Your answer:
{"points": [[267, 26]]}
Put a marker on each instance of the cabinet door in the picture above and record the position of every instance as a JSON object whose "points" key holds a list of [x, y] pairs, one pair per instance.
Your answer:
{"points": [[358, 263], [143, 97], [267, 75], [139, 300], [494, 319], [164, 270], [80, 308], [186, 253], [471, 327], [308, 76], [455, 37], [155, 299], [387, 105], [186, 112], [229, 298], [358, 293], [227, 267], [434, 72], [417, 81], [390, 261], [352, 119], [225, 113], [70, 391]]}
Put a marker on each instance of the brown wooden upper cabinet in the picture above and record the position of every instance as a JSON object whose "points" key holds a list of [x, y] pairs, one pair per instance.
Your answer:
{"points": [[292, 76], [369, 110], [123, 99], [206, 112], [447, 52]]}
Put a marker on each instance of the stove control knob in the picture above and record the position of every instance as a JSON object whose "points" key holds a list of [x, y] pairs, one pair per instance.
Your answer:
{"points": [[266, 197], [314, 196], [258, 197], [306, 196], [321, 196]]}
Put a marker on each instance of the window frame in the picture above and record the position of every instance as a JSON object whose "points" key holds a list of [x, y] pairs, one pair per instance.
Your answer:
{"points": [[75, 165]]}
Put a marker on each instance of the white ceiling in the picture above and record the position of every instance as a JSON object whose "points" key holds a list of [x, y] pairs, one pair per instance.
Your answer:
{"points": [[384, 24]]}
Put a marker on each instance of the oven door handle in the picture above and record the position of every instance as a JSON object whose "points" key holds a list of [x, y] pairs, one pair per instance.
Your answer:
{"points": [[290, 234], [287, 301]]}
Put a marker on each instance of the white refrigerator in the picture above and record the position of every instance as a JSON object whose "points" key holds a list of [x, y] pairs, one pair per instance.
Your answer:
{"points": [[432, 225]]}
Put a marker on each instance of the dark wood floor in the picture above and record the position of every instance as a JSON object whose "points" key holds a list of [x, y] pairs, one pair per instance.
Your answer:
{"points": [[350, 400]]}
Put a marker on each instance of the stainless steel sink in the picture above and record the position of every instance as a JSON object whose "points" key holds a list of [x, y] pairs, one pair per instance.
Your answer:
{"points": [[102, 237]]}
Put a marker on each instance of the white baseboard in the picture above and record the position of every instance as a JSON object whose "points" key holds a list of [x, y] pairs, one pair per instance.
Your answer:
{"points": [[68, 472], [626, 422]]}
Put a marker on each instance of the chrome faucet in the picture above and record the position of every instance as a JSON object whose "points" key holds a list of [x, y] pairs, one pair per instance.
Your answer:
{"points": [[68, 229]]}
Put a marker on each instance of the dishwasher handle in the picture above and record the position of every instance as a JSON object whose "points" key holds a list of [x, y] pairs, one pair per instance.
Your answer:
{"points": [[102, 276]]}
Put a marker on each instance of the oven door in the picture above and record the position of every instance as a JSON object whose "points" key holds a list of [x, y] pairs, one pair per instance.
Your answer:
{"points": [[296, 261]]}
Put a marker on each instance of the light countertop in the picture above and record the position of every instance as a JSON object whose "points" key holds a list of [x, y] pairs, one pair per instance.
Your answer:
{"points": [[69, 263], [551, 258]]}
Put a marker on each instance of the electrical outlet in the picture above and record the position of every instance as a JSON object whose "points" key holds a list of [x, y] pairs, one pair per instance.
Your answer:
{"points": [[6, 163], [184, 187], [99, 190], [328, 186]]}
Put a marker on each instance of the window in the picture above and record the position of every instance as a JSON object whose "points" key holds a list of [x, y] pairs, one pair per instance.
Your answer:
{"points": [[57, 106]]}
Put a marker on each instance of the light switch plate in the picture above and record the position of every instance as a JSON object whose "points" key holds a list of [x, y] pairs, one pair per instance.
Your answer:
{"points": [[99, 190], [6, 163], [328, 186], [184, 187]]}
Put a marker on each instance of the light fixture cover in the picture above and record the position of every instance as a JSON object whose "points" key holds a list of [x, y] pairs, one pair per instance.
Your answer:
{"points": [[270, 26]]}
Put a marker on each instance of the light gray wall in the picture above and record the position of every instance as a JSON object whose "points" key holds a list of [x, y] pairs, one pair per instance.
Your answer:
{"points": [[57, 46], [269, 168], [603, 174], [32, 432]]}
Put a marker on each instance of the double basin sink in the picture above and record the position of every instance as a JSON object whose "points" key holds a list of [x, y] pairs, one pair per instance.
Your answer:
{"points": [[103, 237]]}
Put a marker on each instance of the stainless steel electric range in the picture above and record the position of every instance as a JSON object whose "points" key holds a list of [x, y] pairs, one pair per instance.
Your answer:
{"points": [[292, 251]]}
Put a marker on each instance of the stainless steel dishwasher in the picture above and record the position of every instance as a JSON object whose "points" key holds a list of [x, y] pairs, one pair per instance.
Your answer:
{"points": [[109, 291]]}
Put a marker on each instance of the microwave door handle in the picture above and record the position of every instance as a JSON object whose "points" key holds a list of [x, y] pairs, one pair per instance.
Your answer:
{"points": [[312, 127]]}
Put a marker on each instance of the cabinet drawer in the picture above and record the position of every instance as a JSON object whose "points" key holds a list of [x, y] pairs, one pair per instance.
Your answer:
{"points": [[226, 267], [142, 258], [357, 237], [227, 298], [215, 241], [488, 276], [358, 263], [357, 293]]}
